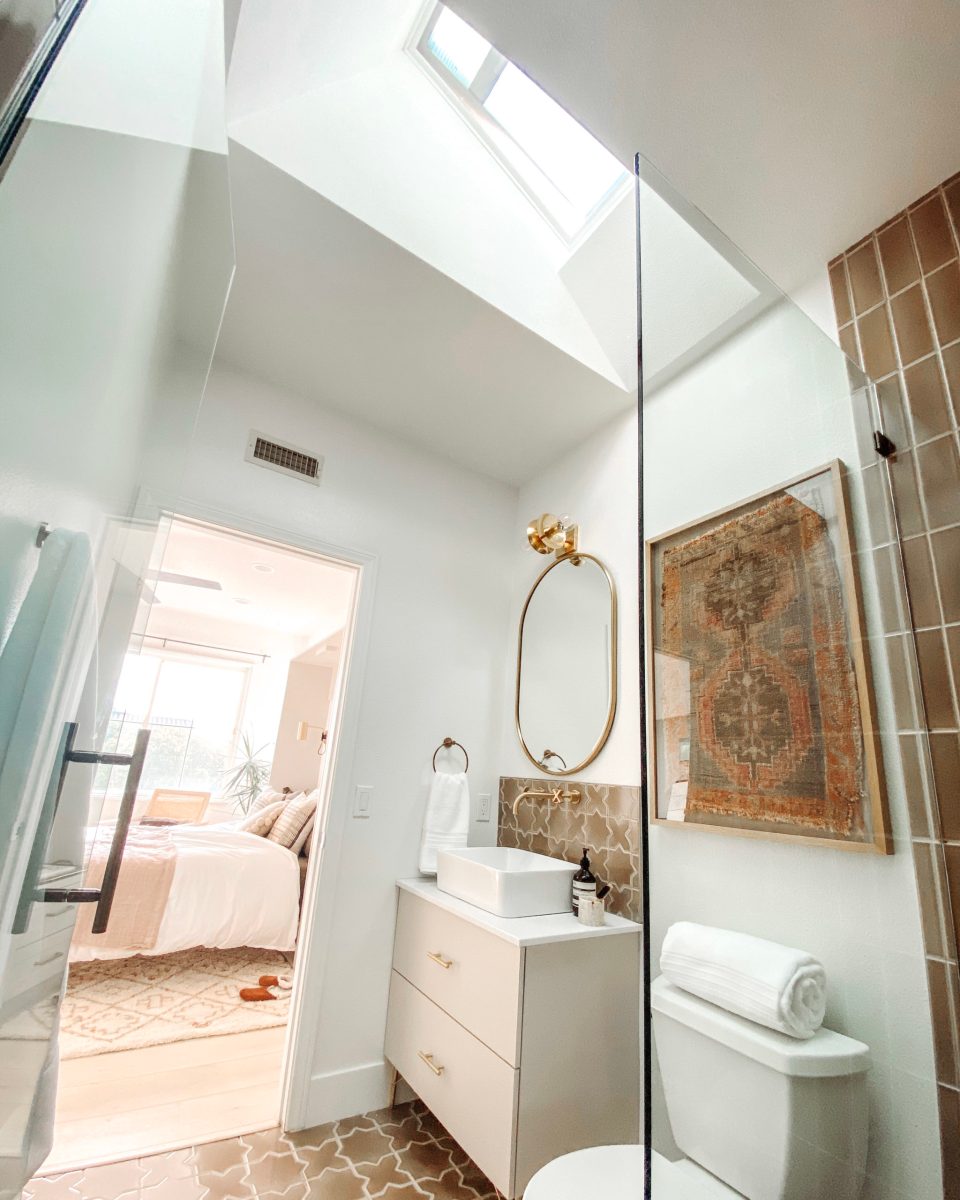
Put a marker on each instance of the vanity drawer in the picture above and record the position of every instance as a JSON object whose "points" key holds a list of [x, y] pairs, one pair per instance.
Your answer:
{"points": [[471, 1091], [473, 975]]}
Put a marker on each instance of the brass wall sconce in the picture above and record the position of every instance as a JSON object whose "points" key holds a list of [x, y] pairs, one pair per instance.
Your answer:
{"points": [[549, 534], [303, 732]]}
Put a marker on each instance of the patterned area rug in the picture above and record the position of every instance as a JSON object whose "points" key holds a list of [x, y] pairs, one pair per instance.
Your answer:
{"points": [[127, 1003], [755, 607]]}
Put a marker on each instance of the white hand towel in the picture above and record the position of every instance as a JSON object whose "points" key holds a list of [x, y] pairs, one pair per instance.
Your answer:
{"points": [[763, 981], [446, 822]]}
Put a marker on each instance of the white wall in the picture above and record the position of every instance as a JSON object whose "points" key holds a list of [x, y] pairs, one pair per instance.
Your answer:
{"points": [[771, 404], [768, 405], [306, 698], [435, 666], [596, 484]]}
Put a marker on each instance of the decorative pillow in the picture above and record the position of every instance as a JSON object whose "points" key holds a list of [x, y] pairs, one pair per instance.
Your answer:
{"points": [[262, 820], [307, 849], [291, 827], [299, 845], [267, 796]]}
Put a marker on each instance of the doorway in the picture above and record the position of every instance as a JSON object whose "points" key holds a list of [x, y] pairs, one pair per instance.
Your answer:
{"points": [[237, 670]]}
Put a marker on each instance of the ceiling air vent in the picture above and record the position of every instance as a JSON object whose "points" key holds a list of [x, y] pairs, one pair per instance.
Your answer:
{"points": [[290, 460]]}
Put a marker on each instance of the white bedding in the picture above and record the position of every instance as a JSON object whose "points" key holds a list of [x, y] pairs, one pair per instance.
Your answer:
{"points": [[229, 889]]}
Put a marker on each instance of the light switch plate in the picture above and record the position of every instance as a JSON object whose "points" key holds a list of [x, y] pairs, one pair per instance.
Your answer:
{"points": [[362, 802], [483, 807]]}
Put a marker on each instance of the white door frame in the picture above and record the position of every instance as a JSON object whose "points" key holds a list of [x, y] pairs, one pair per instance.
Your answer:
{"points": [[313, 942]]}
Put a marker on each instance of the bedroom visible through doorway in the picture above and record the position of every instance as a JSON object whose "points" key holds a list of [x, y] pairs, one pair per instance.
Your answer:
{"points": [[173, 1024]]}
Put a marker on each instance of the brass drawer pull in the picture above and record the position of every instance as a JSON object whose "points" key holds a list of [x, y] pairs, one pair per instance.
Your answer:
{"points": [[428, 1059], [438, 958]]}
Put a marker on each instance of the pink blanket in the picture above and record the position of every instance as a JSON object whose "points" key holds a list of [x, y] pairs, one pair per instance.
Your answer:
{"points": [[143, 887]]}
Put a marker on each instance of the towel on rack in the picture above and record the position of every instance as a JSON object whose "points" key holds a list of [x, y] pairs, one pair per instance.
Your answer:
{"points": [[763, 981], [446, 821]]}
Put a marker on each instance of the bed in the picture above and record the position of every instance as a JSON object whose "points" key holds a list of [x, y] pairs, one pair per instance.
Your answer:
{"points": [[196, 885]]}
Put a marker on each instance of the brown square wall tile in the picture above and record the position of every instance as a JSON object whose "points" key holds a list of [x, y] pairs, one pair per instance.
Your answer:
{"points": [[876, 343], [848, 344], [938, 466], [906, 494], [935, 680], [898, 256], [941, 977], [865, 281], [932, 231], [893, 412], [927, 862], [918, 567], [841, 294], [945, 754], [951, 856], [951, 367], [949, 1103], [946, 557], [927, 399], [943, 288], [952, 193], [914, 784], [914, 336], [953, 654]]}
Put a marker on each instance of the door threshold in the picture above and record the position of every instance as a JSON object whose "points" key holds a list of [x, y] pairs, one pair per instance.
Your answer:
{"points": [[84, 1162]]}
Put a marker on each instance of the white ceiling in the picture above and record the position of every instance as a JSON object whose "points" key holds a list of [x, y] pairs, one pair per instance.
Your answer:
{"points": [[795, 127], [283, 592], [388, 267]]}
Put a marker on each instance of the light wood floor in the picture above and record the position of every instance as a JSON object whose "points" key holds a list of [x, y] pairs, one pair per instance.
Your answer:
{"points": [[137, 1102]]}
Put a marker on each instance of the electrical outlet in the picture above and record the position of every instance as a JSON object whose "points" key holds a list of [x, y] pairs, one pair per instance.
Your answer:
{"points": [[483, 807], [362, 802]]}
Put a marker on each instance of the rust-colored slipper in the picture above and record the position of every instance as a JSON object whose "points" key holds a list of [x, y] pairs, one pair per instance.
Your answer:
{"points": [[280, 981], [256, 993]]}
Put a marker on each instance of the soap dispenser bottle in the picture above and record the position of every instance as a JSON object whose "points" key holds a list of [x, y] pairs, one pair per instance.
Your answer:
{"points": [[584, 882]]}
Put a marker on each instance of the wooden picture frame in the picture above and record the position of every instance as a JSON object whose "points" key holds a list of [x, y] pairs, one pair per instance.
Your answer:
{"points": [[752, 593]]}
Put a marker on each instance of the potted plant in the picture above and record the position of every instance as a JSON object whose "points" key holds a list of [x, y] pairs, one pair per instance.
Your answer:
{"points": [[246, 779]]}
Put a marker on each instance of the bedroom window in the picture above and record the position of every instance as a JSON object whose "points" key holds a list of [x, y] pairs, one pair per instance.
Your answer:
{"points": [[562, 169], [194, 707]]}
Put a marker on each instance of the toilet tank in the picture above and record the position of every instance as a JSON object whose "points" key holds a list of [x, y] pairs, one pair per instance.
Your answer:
{"points": [[771, 1116]]}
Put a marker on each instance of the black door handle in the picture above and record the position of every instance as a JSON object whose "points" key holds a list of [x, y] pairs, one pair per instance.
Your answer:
{"points": [[103, 895]]}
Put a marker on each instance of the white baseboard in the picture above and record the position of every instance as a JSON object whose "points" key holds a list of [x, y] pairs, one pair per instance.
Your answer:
{"points": [[345, 1093]]}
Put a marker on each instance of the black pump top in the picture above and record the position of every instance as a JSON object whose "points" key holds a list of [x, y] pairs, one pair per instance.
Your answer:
{"points": [[584, 875]]}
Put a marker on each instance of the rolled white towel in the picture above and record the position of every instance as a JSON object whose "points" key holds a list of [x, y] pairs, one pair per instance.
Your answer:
{"points": [[763, 981]]}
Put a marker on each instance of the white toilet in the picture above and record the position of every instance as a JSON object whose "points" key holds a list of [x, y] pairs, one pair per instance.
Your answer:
{"points": [[758, 1115]]}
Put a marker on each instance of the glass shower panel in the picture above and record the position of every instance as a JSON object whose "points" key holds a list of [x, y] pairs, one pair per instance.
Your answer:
{"points": [[784, 753], [117, 250]]}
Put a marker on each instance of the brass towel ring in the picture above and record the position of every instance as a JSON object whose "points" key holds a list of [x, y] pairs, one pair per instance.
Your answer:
{"points": [[446, 744]]}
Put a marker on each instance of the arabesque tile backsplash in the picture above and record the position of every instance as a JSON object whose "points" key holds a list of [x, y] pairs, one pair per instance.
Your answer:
{"points": [[606, 822]]}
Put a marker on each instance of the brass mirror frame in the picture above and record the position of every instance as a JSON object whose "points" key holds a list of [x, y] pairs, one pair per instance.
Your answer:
{"points": [[575, 557]]}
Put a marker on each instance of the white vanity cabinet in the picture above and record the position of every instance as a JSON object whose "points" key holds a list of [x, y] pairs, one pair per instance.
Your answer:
{"points": [[520, 1035]]}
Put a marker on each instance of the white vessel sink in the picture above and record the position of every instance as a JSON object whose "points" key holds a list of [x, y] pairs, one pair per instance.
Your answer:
{"points": [[506, 882]]}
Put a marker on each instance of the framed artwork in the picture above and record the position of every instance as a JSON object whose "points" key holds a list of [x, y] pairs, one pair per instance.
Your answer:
{"points": [[761, 710]]}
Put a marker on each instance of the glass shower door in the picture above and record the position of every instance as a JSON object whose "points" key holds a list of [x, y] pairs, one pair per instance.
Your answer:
{"points": [[117, 254]]}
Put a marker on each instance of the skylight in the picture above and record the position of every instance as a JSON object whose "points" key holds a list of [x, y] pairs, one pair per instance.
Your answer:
{"points": [[563, 169]]}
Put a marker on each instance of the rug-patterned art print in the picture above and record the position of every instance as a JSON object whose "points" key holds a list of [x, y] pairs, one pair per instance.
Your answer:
{"points": [[761, 724]]}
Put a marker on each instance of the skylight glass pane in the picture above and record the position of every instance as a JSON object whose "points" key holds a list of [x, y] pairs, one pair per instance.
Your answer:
{"points": [[458, 47], [572, 159]]}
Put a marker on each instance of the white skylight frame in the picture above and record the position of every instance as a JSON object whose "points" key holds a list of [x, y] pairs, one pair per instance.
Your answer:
{"points": [[469, 100]]}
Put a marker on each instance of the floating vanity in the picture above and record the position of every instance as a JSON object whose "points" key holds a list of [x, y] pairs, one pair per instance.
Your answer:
{"points": [[520, 1034]]}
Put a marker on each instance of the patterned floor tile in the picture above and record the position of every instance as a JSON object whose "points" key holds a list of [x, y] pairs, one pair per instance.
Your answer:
{"points": [[402, 1153], [231, 1185], [54, 1187], [112, 1180]]}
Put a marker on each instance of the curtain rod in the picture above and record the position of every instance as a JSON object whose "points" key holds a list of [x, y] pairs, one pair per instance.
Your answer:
{"points": [[153, 637]]}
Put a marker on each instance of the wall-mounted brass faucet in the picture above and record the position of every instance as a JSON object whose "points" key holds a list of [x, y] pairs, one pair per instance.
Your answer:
{"points": [[554, 796]]}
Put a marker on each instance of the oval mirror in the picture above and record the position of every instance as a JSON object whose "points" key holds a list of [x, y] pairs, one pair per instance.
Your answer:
{"points": [[567, 665]]}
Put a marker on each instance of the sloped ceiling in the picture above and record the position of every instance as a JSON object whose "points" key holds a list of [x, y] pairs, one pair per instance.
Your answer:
{"points": [[387, 266], [796, 128]]}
